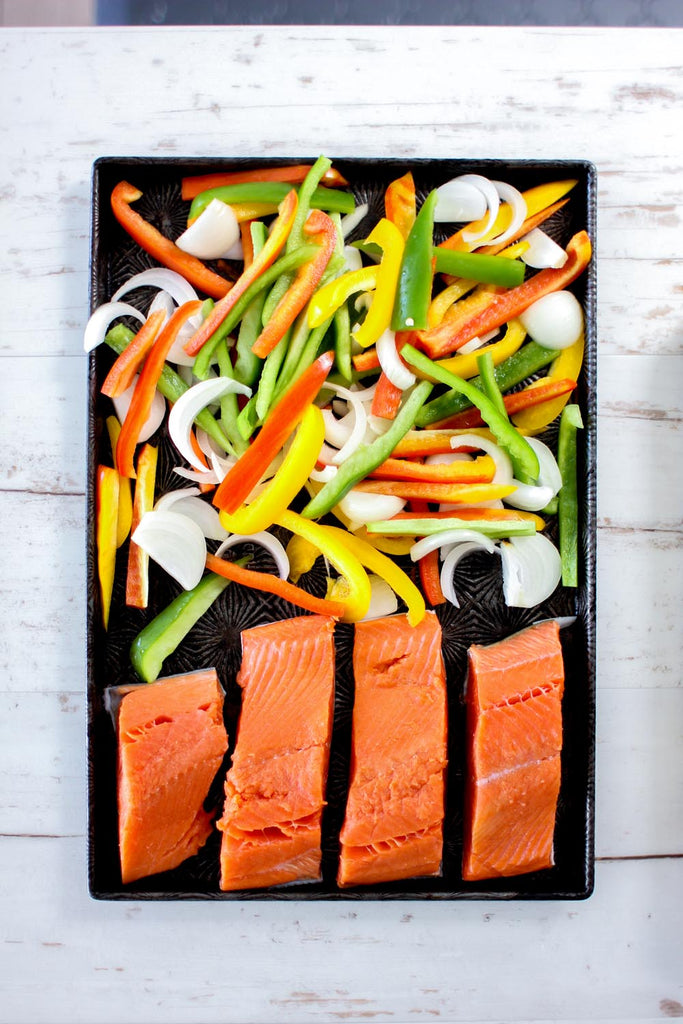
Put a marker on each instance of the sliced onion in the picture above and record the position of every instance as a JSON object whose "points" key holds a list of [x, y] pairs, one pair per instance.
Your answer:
{"points": [[383, 600], [354, 260], [458, 552], [459, 200], [98, 324], [206, 476], [423, 546], [190, 404], [555, 320], [162, 300], [176, 543], [543, 252], [212, 234], [533, 498], [490, 193], [378, 424], [503, 474], [177, 353], [517, 204], [363, 301], [324, 475], [338, 431], [549, 471], [362, 508], [186, 502], [446, 458], [265, 540], [357, 434], [529, 497], [365, 394], [170, 281], [532, 569], [235, 252], [392, 364], [156, 413], [351, 221]]}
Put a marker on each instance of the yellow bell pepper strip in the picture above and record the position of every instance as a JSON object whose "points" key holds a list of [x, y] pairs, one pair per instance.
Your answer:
{"points": [[480, 471], [451, 335], [334, 294], [274, 585], [414, 286], [122, 373], [465, 494], [261, 262], [568, 364], [161, 248], [294, 174], [125, 516], [437, 340], [568, 502], [357, 592], [465, 365], [143, 395], [107, 510], [540, 392], [495, 515], [322, 230], [378, 318], [302, 556], [137, 578], [280, 424], [390, 545], [444, 302], [400, 203], [291, 476]]}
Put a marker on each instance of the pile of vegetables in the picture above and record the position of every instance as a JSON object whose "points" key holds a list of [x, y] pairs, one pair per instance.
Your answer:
{"points": [[374, 400]]}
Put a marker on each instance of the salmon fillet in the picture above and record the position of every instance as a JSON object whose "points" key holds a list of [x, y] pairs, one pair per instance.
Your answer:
{"points": [[514, 724], [393, 826], [171, 741], [275, 788]]}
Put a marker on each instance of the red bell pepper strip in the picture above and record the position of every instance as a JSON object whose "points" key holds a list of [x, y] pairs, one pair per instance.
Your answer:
{"points": [[122, 373], [400, 203], [323, 230], [293, 174], [247, 243], [430, 574], [280, 424], [480, 470], [107, 513], [141, 402], [162, 248], [518, 400], [457, 317], [274, 585], [387, 398], [137, 577], [446, 338], [267, 256]]}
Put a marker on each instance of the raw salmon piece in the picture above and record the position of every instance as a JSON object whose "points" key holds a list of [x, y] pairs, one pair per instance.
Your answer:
{"points": [[171, 741], [275, 788], [514, 723], [393, 827]]}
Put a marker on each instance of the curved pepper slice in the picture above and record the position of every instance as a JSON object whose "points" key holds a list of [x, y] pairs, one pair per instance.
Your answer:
{"points": [[378, 318], [137, 575], [568, 364], [122, 373], [414, 286], [274, 585], [287, 482], [294, 174], [480, 471], [541, 392], [466, 365], [161, 248], [399, 203], [334, 294], [107, 511]]}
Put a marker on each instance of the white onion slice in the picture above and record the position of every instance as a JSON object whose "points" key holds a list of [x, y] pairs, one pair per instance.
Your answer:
{"points": [[191, 403], [363, 301], [351, 221], [363, 508], [156, 413], [529, 497], [555, 320], [459, 200], [235, 252], [220, 465], [458, 552], [383, 600], [517, 203], [324, 475], [365, 394], [186, 501], [378, 424], [549, 471], [503, 474], [176, 543], [532, 569], [446, 458], [212, 234], [543, 252], [265, 540], [98, 324], [170, 281], [177, 353], [338, 431], [206, 477], [357, 434], [354, 260], [533, 498], [490, 193], [392, 364], [162, 300], [423, 546]]}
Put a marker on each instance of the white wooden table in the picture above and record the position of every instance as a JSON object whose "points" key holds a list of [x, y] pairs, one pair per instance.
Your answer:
{"points": [[69, 96]]}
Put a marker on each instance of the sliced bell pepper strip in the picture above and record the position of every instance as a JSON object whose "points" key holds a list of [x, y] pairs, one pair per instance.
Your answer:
{"points": [[306, 194], [274, 585], [420, 443], [247, 242], [442, 340], [335, 293], [302, 556], [489, 383], [437, 340], [478, 267], [247, 365], [567, 365], [529, 224], [122, 373], [342, 343], [390, 545], [568, 507], [539, 392], [465, 364], [294, 174], [428, 565], [378, 317], [322, 229], [229, 406], [444, 302], [137, 577], [329, 199], [387, 398], [414, 286], [495, 515], [125, 516], [161, 248], [425, 527], [239, 482], [480, 470], [261, 262], [400, 203], [287, 482], [456, 493], [141, 402], [368, 456], [107, 511], [356, 585]]}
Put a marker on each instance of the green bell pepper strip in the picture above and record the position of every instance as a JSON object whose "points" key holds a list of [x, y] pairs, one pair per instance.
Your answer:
{"points": [[269, 375], [419, 527], [568, 502], [524, 458], [329, 199], [248, 419], [414, 288], [498, 270], [487, 374], [171, 386], [168, 629], [229, 407], [368, 456], [247, 365], [309, 354], [342, 342], [516, 368]]}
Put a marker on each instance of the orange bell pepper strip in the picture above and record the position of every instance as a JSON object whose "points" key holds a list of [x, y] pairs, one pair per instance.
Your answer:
{"points": [[541, 391], [323, 230], [456, 493], [141, 402], [386, 399], [107, 511], [274, 585], [137, 576], [122, 373], [162, 248], [247, 243], [529, 224], [281, 422], [294, 174], [266, 257], [430, 573], [400, 204], [476, 471], [451, 334]]}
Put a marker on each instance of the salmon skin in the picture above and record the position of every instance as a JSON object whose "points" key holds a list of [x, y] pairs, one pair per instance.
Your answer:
{"points": [[514, 725], [393, 826], [275, 788], [171, 742]]}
